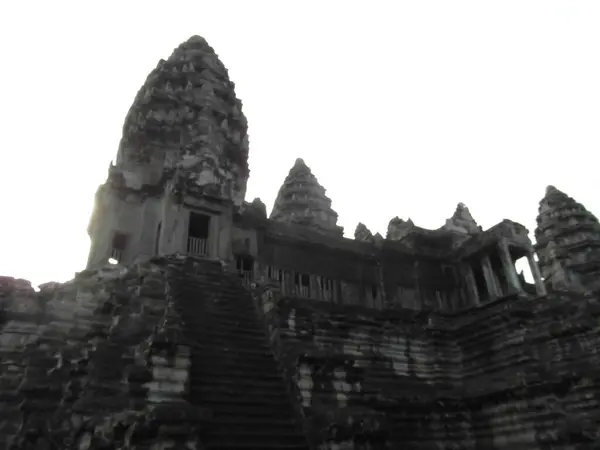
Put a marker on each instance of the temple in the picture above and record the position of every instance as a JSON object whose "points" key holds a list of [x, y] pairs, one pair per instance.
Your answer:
{"points": [[202, 322]]}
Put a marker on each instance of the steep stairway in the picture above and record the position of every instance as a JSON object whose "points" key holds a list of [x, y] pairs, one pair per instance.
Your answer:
{"points": [[233, 371]]}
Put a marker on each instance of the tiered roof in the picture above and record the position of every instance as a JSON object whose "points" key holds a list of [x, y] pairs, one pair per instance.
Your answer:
{"points": [[302, 200], [568, 242]]}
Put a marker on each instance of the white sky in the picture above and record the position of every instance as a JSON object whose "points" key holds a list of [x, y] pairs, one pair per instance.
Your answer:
{"points": [[400, 108]]}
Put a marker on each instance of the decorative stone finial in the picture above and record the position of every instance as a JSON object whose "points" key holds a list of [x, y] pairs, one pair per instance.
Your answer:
{"points": [[302, 200], [462, 221], [259, 207], [187, 116], [362, 233], [398, 228]]}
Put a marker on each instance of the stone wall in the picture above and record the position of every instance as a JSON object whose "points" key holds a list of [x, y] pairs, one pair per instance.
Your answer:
{"points": [[92, 362], [515, 374]]}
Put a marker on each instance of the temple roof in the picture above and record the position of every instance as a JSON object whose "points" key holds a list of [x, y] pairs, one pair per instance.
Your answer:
{"points": [[567, 241], [556, 207], [302, 200], [462, 221], [187, 108]]}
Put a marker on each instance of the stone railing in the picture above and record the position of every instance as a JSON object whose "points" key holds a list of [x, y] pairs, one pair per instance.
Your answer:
{"points": [[247, 277], [116, 254], [197, 246]]}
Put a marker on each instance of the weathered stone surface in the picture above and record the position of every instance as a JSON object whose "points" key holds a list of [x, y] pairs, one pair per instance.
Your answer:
{"points": [[567, 243], [428, 339], [81, 367], [362, 233], [398, 228], [184, 141], [256, 208], [302, 200], [509, 376], [186, 123], [462, 221]]}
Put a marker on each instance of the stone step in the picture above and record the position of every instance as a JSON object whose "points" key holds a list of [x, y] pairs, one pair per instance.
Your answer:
{"points": [[234, 369], [247, 382], [242, 411], [241, 398], [233, 392], [259, 440], [225, 318], [220, 340], [251, 352], [236, 422], [224, 335], [233, 372], [225, 360], [207, 284], [230, 310], [250, 326], [212, 294]]}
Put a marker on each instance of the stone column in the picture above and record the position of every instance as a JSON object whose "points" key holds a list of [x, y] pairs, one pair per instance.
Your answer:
{"points": [[315, 287], [288, 283], [512, 278], [471, 284], [540, 287], [490, 279]]}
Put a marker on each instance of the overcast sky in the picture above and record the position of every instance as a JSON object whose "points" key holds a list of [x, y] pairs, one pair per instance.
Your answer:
{"points": [[401, 108]]}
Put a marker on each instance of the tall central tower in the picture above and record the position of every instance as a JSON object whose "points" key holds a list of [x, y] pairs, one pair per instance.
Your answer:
{"points": [[182, 163]]}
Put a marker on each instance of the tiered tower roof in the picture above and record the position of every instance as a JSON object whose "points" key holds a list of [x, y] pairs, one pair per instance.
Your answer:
{"points": [[302, 200], [462, 221], [187, 115], [568, 242]]}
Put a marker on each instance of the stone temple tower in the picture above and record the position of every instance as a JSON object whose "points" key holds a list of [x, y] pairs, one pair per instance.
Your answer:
{"points": [[302, 200], [568, 243], [182, 164]]}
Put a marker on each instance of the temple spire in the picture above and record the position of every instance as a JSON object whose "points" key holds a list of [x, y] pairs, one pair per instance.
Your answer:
{"points": [[187, 119], [567, 243], [302, 200], [462, 221]]}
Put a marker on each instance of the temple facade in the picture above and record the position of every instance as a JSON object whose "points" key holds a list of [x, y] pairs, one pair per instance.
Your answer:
{"points": [[202, 323], [179, 182]]}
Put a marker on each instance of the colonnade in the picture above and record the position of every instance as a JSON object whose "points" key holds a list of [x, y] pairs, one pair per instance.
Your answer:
{"points": [[494, 287]]}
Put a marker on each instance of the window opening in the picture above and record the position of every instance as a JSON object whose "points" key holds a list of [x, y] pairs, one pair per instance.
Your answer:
{"points": [[119, 243], [198, 234], [245, 268]]}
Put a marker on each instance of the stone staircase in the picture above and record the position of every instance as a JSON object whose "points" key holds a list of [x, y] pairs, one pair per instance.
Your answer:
{"points": [[233, 371]]}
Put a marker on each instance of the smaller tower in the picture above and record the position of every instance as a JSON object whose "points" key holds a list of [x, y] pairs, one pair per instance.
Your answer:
{"points": [[462, 221], [301, 200], [567, 243]]}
